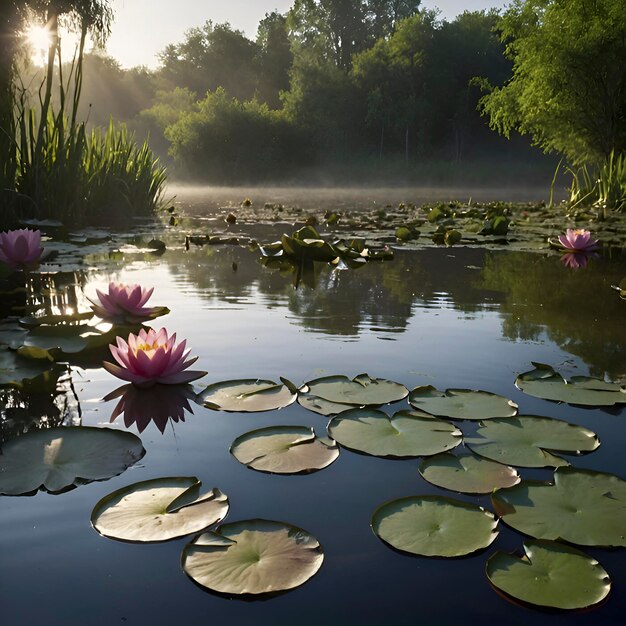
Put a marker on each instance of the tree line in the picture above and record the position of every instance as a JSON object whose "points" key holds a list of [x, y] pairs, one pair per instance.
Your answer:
{"points": [[377, 86]]}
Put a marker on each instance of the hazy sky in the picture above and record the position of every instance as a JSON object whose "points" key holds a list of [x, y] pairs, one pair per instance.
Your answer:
{"points": [[142, 28]]}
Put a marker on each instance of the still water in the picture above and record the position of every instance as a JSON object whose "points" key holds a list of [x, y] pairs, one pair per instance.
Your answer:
{"points": [[457, 317]]}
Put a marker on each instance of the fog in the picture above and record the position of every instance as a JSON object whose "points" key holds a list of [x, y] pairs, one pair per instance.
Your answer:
{"points": [[204, 197]]}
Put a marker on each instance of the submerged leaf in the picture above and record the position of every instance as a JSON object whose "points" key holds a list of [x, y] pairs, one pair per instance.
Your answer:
{"points": [[550, 575], [253, 557], [158, 510], [57, 459], [434, 526], [284, 450]]}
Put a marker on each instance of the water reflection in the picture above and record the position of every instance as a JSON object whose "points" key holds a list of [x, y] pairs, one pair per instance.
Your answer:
{"points": [[55, 404], [578, 312], [577, 260], [158, 404], [534, 294]]}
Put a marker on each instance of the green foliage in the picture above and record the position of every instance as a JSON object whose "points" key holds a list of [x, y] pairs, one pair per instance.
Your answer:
{"points": [[233, 140], [603, 188], [569, 77]]}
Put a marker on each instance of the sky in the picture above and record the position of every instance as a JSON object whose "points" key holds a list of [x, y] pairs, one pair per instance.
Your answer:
{"points": [[142, 28]]}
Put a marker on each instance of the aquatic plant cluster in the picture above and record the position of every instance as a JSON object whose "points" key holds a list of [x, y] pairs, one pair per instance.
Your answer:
{"points": [[257, 557]]}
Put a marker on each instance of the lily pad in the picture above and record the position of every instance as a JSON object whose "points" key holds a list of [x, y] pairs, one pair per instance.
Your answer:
{"points": [[322, 406], [19, 371], [467, 474], [550, 575], [362, 390], [406, 434], [529, 440], [581, 506], [284, 450], [58, 459], [159, 510], [462, 404], [248, 395], [253, 557], [434, 526], [543, 382]]}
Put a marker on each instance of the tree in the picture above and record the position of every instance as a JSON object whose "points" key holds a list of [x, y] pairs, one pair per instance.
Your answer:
{"points": [[333, 29], [212, 56], [568, 89], [274, 58], [385, 15]]}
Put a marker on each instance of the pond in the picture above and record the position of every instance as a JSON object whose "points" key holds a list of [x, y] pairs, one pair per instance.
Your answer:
{"points": [[457, 317]]}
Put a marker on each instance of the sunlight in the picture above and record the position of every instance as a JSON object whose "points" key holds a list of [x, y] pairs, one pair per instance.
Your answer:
{"points": [[39, 38]]}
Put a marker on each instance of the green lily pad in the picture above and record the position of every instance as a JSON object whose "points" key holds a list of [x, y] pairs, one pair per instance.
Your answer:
{"points": [[253, 557], [159, 510], [467, 474], [284, 450], [529, 440], [19, 371], [406, 434], [550, 575], [434, 526], [58, 459], [543, 382], [248, 395], [322, 406], [583, 507], [362, 390], [462, 404], [66, 340]]}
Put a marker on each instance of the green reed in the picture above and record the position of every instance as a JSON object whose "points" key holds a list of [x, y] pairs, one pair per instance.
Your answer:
{"points": [[58, 169], [602, 188]]}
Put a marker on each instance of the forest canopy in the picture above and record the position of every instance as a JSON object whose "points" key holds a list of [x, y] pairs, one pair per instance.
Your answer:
{"points": [[376, 86]]}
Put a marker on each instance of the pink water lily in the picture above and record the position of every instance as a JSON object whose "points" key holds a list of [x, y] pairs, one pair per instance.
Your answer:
{"points": [[152, 357], [578, 240], [124, 304], [21, 249]]}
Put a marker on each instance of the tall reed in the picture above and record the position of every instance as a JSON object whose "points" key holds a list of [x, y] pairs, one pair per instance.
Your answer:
{"points": [[603, 188], [61, 170]]}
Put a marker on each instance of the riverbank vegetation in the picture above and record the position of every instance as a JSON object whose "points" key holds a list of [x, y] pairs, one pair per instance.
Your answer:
{"points": [[52, 165], [332, 92]]}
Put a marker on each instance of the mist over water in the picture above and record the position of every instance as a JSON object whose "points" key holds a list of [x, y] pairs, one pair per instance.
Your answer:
{"points": [[205, 197]]}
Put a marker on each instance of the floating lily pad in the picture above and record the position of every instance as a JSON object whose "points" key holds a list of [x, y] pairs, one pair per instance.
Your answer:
{"points": [[253, 557], [462, 404], [434, 526], [248, 396], [159, 510], [360, 391], [284, 450], [64, 340], [550, 575], [529, 440], [406, 434], [322, 406], [57, 459], [543, 382], [581, 506], [467, 474], [20, 372]]}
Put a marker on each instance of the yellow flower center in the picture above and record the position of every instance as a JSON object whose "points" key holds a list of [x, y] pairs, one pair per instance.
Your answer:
{"points": [[147, 347]]}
